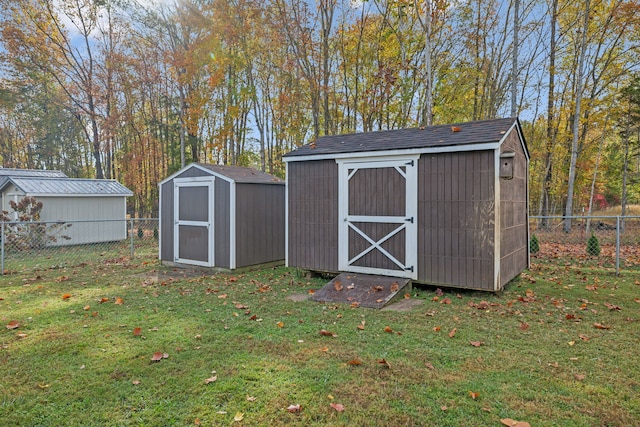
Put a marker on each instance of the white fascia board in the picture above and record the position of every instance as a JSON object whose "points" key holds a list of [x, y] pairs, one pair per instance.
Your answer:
{"points": [[232, 226], [181, 171], [286, 215], [518, 129], [497, 232], [396, 153]]}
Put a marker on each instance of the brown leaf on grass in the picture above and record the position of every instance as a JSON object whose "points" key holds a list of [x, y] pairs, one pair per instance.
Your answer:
{"points": [[211, 379], [361, 326], [311, 291], [384, 363], [337, 286], [280, 324], [475, 343], [446, 301], [66, 296], [513, 423], [326, 333], [580, 377], [158, 356], [430, 366], [354, 362], [241, 306], [62, 279], [21, 335], [103, 300], [388, 329], [355, 304], [601, 326], [137, 331], [294, 408], [612, 307], [436, 328], [223, 296], [474, 394], [524, 326], [453, 332], [583, 337], [86, 308], [13, 324], [238, 417], [339, 407], [439, 292], [119, 301], [254, 317]]}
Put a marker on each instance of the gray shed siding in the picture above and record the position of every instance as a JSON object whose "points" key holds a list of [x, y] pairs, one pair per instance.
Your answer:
{"points": [[514, 248], [260, 223], [456, 219], [222, 224], [313, 215]]}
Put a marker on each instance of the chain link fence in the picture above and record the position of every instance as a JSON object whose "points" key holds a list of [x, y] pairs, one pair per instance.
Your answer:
{"points": [[36, 245], [612, 242]]}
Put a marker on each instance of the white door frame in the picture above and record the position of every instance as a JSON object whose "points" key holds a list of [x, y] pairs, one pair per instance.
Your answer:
{"points": [[408, 222], [204, 181]]}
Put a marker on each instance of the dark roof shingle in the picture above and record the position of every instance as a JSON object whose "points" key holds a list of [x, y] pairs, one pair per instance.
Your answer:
{"points": [[242, 174], [478, 132]]}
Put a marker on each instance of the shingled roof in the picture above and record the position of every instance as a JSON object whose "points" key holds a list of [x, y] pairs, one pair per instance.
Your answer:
{"points": [[478, 132], [242, 174]]}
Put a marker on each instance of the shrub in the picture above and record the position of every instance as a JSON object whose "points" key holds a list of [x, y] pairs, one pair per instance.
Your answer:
{"points": [[534, 245], [593, 245]]}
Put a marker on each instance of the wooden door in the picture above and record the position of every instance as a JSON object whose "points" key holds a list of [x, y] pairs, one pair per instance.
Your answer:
{"points": [[193, 226], [378, 217]]}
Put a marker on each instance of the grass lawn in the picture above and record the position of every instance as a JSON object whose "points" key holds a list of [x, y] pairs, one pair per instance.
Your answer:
{"points": [[559, 347]]}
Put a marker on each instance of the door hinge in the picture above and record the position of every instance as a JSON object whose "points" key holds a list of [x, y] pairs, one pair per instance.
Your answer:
{"points": [[409, 163], [409, 269], [409, 220]]}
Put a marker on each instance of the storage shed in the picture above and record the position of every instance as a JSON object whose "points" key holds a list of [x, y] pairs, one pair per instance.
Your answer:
{"points": [[225, 217], [95, 209], [444, 205]]}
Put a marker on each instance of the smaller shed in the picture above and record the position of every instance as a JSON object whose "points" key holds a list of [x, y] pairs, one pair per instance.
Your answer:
{"points": [[444, 205], [95, 208], [225, 217]]}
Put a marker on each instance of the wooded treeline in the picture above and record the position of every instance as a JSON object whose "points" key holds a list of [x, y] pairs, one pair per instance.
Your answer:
{"points": [[133, 90]]}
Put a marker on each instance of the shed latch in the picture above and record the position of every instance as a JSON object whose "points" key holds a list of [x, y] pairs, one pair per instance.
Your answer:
{"points": [[409, 220], [409, 163], [409, 269]]}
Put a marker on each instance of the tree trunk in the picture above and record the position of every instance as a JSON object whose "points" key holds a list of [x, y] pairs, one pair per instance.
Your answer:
{"points": [[576, 119]]}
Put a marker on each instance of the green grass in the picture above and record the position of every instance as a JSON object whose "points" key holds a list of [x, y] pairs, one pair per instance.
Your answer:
{"points": [[541, 360]]}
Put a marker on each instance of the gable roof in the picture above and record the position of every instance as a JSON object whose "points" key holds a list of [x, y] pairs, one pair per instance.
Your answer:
{"points": [[450, 135], [242, 174], [230, 173], [36, 186]]}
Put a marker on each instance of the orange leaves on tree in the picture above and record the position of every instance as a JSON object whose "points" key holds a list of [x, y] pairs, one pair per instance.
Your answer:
{"points": [[14, 324], [66, 296]]}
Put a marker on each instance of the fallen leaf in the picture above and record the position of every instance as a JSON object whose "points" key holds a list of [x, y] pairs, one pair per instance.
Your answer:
{"points": [[280, 324], [524, 326], [437, 328], [351, 286], [13, 324], [66, 296], [135, 382], [137, 331], [513, 423], [430, 366], [474, 395], [119, 301], [601, 326], [583, 337], [476, 343], [612, 307], [21, 335], [384, 363], [439, 292], [158, 356], [326, 333], [254, 317], [211, 379], [293, 408], [241, 307], [580, 377], [453, 332], [337, 286], [238, 417], [339, 407], [355, 304], [361, 326], [354, 362], [394, 287], [223, 296], [251, 399], [388, 330], [446, 301], [86, 308], [103, 300], [444, 407]]}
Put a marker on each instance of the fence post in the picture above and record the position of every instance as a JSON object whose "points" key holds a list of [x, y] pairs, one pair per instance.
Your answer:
{"points": [[131, 236], [2, 248], [618, 223]]}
